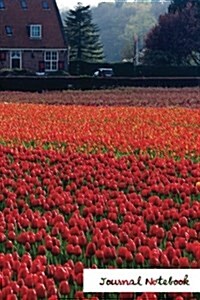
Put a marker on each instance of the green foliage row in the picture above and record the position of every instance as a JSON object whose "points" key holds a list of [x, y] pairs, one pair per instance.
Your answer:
{"points": [[129, 70], [35, 84]]}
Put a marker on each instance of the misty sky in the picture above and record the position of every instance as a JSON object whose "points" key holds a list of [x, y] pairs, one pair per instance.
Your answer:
{"points": [[72, 3]]}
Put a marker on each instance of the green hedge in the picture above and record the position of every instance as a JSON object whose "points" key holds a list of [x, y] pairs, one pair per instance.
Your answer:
{"points": [[129, 70], [39, 84]]}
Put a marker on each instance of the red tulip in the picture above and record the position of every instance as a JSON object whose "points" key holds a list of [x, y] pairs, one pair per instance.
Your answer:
{"points": [[131, 245], [29, 280], [2, 235], [90, 249], [139, 259], [55, 250], [149, 296], [77, 250], [154, 261], [6, 291], [175, 261], [31, 294], [41, 250], [70, 264], [183, 221], [15, 287], [23, 290], [82, 241], [126, 296], [23, 272], [9, 245], [61, 273], [122, 251], [99, 254], [129, 256], [64, 288], [41, 290], [79, 295], [78, 267], [184, 262], [137, 241], [119, 261], [11, 297], [171, 253], [51, 290], [70, 249], [165, 263], [79, 279]]}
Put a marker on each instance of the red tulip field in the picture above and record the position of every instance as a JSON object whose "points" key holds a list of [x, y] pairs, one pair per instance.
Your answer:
{"points": [[111, 182]]}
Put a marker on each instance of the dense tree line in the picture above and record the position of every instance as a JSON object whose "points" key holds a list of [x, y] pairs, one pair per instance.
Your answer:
{"points": [[160, 34], [120, 22], [117, 24]]}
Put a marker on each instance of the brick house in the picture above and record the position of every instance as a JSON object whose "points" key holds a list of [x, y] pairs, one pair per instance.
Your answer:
{"points": [[32, 36]]}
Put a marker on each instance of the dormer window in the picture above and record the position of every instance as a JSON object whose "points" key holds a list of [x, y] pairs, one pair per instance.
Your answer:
{"points": [[2, 5], [45, 5], [23, 4], [9, 30], [36, 31]]}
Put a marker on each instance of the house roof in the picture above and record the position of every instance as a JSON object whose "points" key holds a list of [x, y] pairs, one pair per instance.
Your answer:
{"points": [[16, 17]]}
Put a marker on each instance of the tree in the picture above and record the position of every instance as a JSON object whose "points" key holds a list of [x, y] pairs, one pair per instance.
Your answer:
{"points": [[175, 39], [136, 29], [83, 35], [112, 20], [180, 5]]}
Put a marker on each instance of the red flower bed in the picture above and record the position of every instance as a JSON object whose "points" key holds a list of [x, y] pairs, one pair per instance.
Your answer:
{"points": [[63, 212], [97, 187], [91, 129]]}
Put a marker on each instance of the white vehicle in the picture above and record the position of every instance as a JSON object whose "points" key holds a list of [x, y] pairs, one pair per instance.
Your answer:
{"points": [[103, 72]]}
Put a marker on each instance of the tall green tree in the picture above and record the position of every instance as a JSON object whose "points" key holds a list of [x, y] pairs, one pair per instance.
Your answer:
{"points": [[83, 35]]}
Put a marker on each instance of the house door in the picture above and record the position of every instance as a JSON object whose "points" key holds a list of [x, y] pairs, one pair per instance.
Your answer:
{"points": [[16, 60]]}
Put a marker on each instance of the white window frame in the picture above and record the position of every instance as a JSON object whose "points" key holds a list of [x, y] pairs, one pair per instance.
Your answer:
{"points": [[48, 58], [34, 29], [16, 54]]}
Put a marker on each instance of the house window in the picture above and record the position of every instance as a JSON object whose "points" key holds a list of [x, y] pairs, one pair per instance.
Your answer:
{"points": [[45, 5], [15, 59], [2, 5], [9, 30], [35, 31], [51, 61], [23, 4]]}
